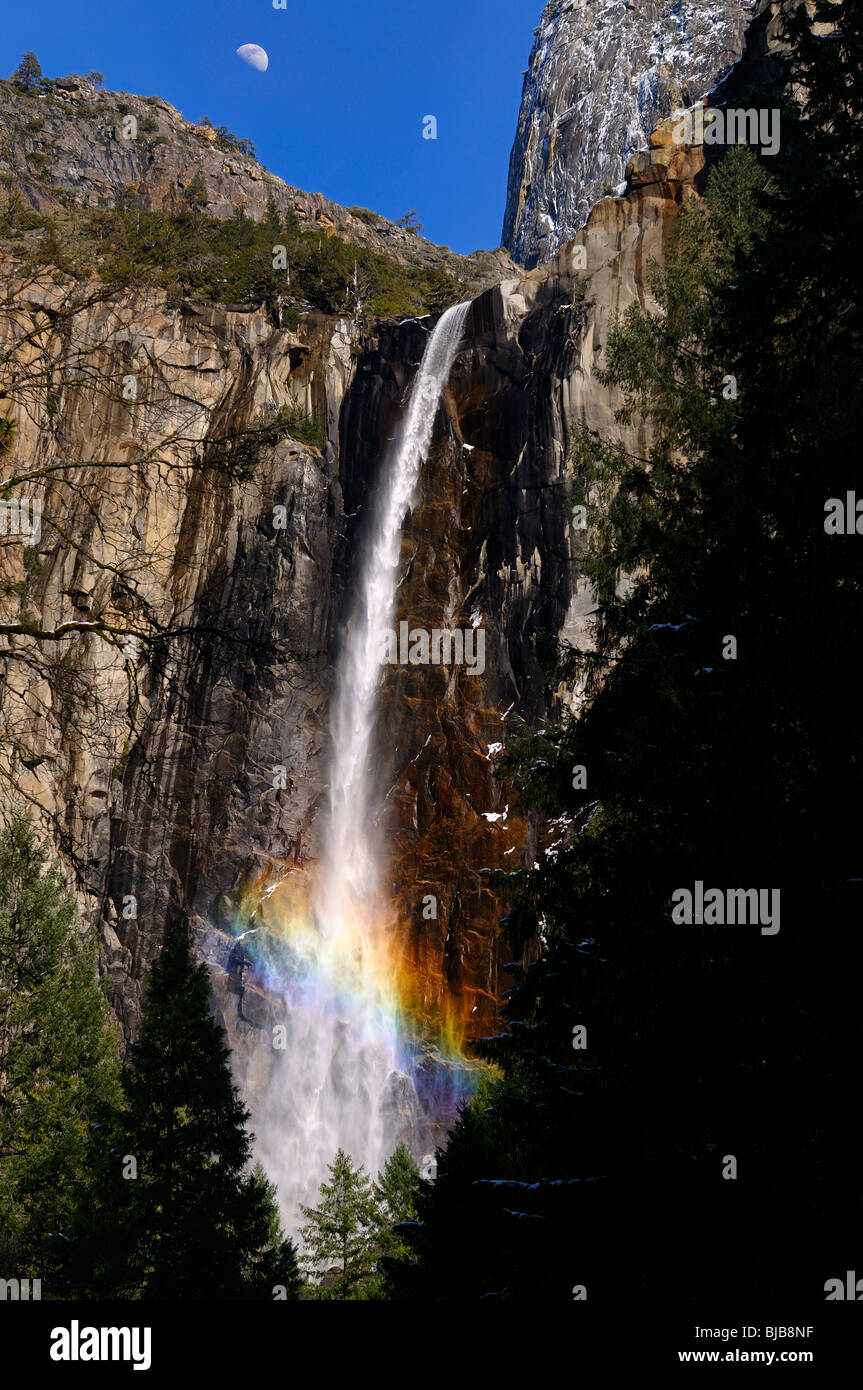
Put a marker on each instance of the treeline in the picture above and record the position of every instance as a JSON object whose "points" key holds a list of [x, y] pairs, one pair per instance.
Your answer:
{"points": [[675, 1110], [228, 261], [28, 77], [135, 1181]]}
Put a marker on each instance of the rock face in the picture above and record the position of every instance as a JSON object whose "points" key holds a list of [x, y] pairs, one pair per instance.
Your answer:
{"points": [[191, 777], [154, 775], [164, 792], [602, 74], [72, 141], [153, 770]]}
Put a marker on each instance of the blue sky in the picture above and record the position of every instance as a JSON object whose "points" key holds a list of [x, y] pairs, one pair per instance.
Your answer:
{"points": [[340, 109]]}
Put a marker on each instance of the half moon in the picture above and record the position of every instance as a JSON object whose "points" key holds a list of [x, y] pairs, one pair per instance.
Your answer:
{"points": [[254, 55]]}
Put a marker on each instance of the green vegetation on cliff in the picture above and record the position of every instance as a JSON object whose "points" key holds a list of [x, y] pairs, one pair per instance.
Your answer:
{"points": [[235, 261]]}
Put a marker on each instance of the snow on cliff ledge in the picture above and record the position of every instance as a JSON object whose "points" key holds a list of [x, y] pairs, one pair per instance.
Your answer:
{"points": [[602, 74]]}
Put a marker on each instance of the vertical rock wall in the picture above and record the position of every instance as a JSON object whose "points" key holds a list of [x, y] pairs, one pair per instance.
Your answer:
{"points": [[602, 74]]}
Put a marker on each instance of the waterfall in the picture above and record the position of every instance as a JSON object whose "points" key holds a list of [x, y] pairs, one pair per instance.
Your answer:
{"points": [[344, 1077], [350, 863]]}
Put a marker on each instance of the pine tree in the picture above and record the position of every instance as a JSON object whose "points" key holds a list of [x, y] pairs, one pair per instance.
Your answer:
{"points": [[200, 1226], [274, 1270], [397, 1192], [341, 1232], [27, 77], [398, 1184], [59, 1054], [272, 223]]}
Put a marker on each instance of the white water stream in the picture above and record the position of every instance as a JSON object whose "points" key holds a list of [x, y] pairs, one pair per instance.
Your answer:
{"points": [[342, 1080]]}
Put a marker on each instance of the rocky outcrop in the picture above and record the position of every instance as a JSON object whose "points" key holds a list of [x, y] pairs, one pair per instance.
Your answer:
{"points": [[154, 770], [191, 776], [164, 792], [73, 142], [602, 74], [167, 796]]}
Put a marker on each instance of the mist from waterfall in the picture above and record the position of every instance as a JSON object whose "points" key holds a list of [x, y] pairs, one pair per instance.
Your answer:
{"points": [[344, 1075]]}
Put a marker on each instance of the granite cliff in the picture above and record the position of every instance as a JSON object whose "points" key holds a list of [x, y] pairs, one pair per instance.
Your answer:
{"points": [[185, 770], [73, 143], [155, 772], [602, 74]]}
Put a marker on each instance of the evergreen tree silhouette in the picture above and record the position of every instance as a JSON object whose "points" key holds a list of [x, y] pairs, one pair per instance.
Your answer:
{"points": [[200, 1225]]}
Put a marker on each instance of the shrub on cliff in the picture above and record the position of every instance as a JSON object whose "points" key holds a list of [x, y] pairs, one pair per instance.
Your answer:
{"points": [[229, 261]]}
